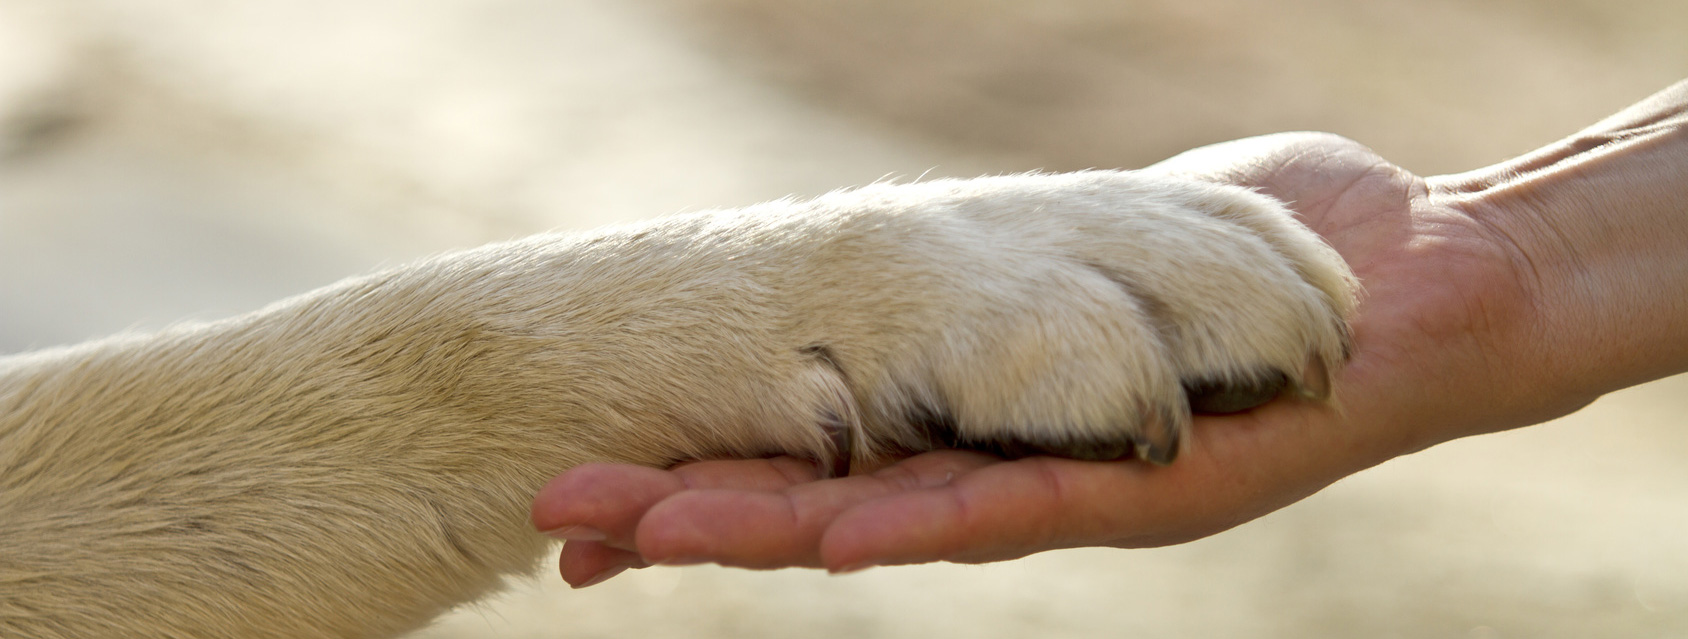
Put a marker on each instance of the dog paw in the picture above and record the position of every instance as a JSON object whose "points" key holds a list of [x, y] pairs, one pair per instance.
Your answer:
{"points": [[1084, 315]]}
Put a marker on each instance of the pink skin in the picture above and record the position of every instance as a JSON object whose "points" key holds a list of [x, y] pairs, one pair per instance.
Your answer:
{"points": [[1493, 299]]}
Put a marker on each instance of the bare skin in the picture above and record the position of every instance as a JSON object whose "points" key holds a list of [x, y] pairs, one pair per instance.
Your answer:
{"points": [[1497, 298]]}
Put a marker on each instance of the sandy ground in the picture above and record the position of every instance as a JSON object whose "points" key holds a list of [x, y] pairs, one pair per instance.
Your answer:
{"points": [[169, 159]]}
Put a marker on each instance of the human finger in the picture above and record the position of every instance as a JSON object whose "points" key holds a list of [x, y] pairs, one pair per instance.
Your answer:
{"points": [[763, 529], [601, 502], [589, 563]]}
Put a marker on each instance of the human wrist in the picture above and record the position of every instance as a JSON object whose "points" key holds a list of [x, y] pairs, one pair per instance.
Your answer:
{"points": [[1600, 223]]}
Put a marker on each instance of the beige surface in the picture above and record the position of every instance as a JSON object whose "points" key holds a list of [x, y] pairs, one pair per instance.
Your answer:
{"points": [[164, 159]]}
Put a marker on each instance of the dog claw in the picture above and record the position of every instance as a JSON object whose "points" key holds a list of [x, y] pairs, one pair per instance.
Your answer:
{"points": [[1162, 434], [1315, 379]]}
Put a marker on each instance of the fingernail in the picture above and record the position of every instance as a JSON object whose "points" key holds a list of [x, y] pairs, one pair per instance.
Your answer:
{"points": [[603, 576], [681, 561], [575, 533]]}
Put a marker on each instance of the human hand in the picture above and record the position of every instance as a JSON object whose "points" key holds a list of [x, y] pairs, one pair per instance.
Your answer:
{"points": [[1446, 313]]}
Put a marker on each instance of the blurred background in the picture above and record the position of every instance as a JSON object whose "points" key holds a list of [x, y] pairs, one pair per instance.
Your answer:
{"points": [[171, 159]]}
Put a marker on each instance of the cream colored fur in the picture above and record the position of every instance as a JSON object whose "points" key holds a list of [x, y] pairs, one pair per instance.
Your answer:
{"points": [[356, 460]]}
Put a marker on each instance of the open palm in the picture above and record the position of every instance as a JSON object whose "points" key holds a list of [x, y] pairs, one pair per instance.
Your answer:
{"points": [[1444, 304]]}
